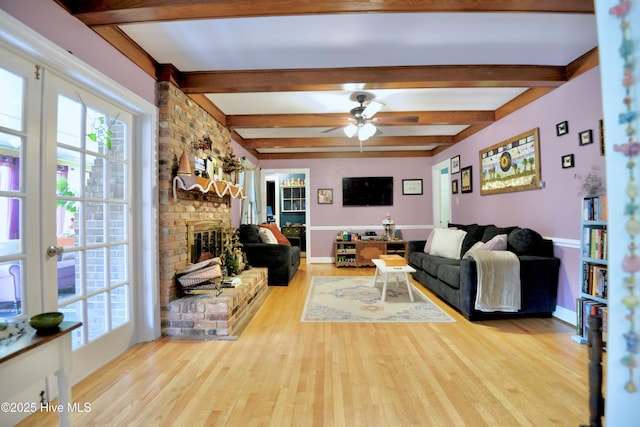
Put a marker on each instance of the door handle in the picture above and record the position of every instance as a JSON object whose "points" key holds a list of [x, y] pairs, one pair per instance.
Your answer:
{"points": [[54, 251]]}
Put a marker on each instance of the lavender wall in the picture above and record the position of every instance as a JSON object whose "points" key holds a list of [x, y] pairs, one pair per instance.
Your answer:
{"points": [[554, 211], [54, 23], [410, 212]]}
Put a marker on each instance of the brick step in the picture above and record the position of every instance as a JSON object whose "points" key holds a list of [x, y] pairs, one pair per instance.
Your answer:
{"points": [[202, 315]]}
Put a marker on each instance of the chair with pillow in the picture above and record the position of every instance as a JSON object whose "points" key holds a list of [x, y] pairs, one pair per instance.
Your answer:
{"points": [[266, 246]]}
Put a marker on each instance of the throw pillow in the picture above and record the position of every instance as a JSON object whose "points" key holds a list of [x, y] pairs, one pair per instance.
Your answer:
{"points": [[427, 246], [524, 241], [267, 236], [498, 243], [248, 233], [492, 231], [281, 238], [447, 243]]}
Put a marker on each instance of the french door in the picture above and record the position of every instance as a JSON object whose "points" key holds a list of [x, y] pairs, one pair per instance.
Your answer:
{"points": [[65, 187]]}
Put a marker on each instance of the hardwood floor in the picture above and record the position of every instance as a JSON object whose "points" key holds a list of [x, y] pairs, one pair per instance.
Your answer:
{"points": [[282, 372]]}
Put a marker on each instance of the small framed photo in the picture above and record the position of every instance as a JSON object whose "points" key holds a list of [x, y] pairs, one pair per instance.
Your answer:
{"points": [[567, 161], [454, 186], [466, 180], [562, 128], [412, 187], [586, 137], [455, 164], [325, 196]]}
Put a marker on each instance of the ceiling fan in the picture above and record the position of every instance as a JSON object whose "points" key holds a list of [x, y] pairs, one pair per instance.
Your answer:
{"points": [[362, 118]]}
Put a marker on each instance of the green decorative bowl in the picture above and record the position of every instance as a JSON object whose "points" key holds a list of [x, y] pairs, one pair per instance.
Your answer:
{"points": [[46, 321]]}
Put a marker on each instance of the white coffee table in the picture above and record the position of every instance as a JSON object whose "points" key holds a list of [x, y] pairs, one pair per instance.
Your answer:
{"points": [[384, 270]]}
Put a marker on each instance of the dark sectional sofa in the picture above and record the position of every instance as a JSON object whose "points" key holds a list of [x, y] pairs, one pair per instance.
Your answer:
{"points": [[282, 261], [454, 280]]}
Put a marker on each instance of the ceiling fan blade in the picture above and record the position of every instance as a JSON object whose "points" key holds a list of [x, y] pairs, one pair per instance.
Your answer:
{"points": [[332, 129], [371, 109]]}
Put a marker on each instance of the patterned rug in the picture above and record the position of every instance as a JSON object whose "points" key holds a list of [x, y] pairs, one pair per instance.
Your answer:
{"points": [[354, 299]]}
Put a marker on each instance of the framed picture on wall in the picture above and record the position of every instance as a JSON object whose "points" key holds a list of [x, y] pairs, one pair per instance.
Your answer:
{"points": [[586, 137], [455, 164], [568, 161], [466, 180], [411, 186], [454, 186], [325, 196], [511, 165]]}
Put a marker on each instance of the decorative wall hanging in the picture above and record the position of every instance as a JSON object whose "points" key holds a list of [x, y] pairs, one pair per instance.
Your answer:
{"points": [[585, 137], [562, 128], [511, 165], [631, 149], [567, 161], [454, 186]]}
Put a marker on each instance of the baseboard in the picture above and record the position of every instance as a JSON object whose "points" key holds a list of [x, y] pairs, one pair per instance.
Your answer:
{"points": [[321, 260], [565, 315]]}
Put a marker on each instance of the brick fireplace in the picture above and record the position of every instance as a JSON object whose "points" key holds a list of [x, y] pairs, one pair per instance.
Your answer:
{"points": [[182, 123]]}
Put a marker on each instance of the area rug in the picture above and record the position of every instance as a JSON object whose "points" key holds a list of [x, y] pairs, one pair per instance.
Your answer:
{"points": [[355, 299]]}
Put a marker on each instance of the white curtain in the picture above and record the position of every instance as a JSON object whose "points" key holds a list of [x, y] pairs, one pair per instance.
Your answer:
{"points": [[251, 207]]}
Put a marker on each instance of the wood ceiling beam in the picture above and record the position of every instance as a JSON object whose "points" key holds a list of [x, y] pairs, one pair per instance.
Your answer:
{"points": [[345, 155], [383, 119], [115, 12], [434, 76], [378, 141]]}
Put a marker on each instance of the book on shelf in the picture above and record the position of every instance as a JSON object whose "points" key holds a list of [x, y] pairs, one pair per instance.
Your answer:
{"points": [[594, 208], [595, 280], [586, 307]]}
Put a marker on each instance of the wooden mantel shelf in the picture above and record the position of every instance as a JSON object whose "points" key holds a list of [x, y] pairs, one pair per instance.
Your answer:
{"points": [[220, 188]]}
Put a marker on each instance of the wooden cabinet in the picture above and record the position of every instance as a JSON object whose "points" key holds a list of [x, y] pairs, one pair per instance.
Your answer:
{"points": [[296, 231], [359, 253]]}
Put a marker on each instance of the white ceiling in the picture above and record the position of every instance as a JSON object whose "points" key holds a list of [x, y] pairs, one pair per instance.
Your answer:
{"points": [[331, 41]]}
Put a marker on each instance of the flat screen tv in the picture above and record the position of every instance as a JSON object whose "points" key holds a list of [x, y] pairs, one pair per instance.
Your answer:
{"points": [[367, 191]]}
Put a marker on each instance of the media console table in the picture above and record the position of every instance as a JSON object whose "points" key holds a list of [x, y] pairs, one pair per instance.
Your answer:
{"points": [[360, 253], [32, 358]]}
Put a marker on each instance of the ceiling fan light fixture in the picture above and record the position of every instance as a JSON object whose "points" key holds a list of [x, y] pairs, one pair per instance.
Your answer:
{"points": [[350, 130], [366, 132]]}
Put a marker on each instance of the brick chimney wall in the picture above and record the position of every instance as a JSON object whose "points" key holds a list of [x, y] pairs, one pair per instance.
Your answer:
{"points": [[182, 123]]}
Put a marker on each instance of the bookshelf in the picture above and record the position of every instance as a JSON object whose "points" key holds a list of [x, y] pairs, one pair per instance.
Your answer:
{"points": [[593, 263], [359, 253]]}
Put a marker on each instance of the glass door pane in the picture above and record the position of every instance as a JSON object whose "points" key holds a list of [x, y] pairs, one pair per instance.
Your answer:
{"points": [[12, 127], [92, 216]]}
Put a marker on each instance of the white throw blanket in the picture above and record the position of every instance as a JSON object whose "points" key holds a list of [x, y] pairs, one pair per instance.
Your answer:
{"points": [[498, 287]]}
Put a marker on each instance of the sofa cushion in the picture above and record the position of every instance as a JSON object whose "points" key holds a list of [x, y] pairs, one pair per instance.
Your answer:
{"points": [[450, 274], [281, 238], [248, 233], [524, 241], [430, 263], [492, 231], [266, 236], [447, 243]]}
